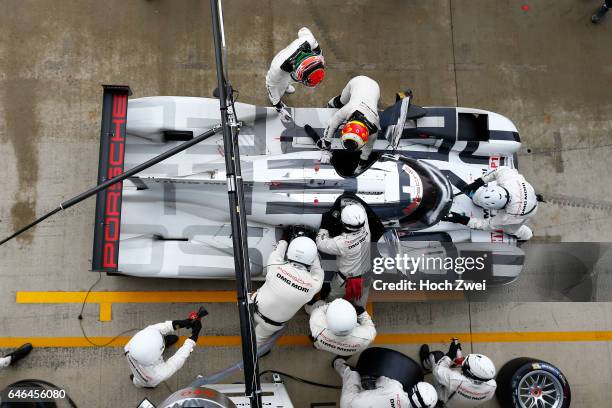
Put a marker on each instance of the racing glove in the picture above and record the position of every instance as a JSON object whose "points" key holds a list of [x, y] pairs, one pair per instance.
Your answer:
{"points": [[196, 326], [181, 324], [326, 157], [456, 218], [281, 108], [452, 350], [359, 309], [335, 102], [319, 141], [471, 188], [327, 220], [323, 144], [287, 233]]}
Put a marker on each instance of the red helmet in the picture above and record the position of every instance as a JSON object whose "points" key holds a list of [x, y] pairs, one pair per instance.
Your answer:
{"points": [[310, 71], [354, 135]]}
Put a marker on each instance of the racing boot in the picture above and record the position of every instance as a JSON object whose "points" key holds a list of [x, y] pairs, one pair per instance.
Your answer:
{"points": [[20, 353], [290, 89], [599, 14], [424, 357], [170, 339]]}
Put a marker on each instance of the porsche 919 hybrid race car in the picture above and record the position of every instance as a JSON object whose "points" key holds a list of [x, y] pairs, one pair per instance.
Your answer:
{"points": [[172, 220]]}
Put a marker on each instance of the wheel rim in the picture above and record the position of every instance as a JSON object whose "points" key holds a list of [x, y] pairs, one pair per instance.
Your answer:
{"points": [[540, 389]]}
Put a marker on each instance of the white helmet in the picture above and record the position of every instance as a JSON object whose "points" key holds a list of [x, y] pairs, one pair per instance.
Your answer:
{"points": [[478, 367], [147, 346], [353, 217], [423, 395], [341, 317], [491, 197], [302, 250]]}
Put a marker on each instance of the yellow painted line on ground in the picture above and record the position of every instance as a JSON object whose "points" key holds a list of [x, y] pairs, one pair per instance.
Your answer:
{"points": [[381, 339], [106, 299]]}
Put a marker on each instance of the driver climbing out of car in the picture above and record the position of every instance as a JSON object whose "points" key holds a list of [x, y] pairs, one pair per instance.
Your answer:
{"points": [[293, 276], [352, 251], [301, 61], [382, 393], [358, 110], [512, 197], [470, 386]]}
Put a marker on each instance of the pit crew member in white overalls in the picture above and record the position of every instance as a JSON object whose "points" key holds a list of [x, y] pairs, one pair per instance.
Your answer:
{"points": [[352, 251], [301, 61], [291, 282], [341, 328], [358, 110], [144, 351], [385, 393], [512, 197], [470, 386]]}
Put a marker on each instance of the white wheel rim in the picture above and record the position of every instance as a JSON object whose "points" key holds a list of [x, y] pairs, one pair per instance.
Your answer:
{"points": [[540, 389]]}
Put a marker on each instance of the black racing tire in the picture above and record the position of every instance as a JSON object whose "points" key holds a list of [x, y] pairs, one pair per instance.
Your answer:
{"points": [[378, 361], [517, 374]]}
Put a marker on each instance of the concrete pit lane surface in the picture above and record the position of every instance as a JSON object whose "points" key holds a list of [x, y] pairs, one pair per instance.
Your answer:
{"points": [[553, 83]]}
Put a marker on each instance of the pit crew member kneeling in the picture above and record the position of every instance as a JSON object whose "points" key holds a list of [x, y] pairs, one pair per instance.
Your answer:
{"points": [[471, 386], [144, 351], [512, 197], [341, 328], [291, 282], [383, 393], [352, 250], [358, 110]]}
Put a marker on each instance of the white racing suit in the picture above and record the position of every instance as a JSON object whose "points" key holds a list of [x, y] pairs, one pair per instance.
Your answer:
{"points": [[5, 362], [456, 390], [522, 205], [152, 375], [288, 287], [360, 94], [279, 74], [358, 340], [352, 250], [387, 394]]}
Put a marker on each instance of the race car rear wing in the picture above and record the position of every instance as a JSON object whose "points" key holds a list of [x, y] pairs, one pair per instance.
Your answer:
{"points": [[108, 202]]}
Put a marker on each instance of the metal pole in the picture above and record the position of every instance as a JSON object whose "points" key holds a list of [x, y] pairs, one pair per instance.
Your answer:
{"points": [[137, 169], [235, 191]]}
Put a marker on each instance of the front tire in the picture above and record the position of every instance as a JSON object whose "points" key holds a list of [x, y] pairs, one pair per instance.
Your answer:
{"points": [[523, 382]]}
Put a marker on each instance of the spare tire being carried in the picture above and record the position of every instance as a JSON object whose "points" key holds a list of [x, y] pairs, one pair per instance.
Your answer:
{"points": [[527, 382], [377, 361]]}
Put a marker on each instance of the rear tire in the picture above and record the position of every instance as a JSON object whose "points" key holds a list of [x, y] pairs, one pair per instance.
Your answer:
{"points": [[524, 379]]}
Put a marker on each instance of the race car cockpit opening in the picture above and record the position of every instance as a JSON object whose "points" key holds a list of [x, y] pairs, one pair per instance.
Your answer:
{"points": [[345, 163]]}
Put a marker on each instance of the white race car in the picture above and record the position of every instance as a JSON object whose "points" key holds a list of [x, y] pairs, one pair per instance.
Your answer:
{"points": [[174, 219]]}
